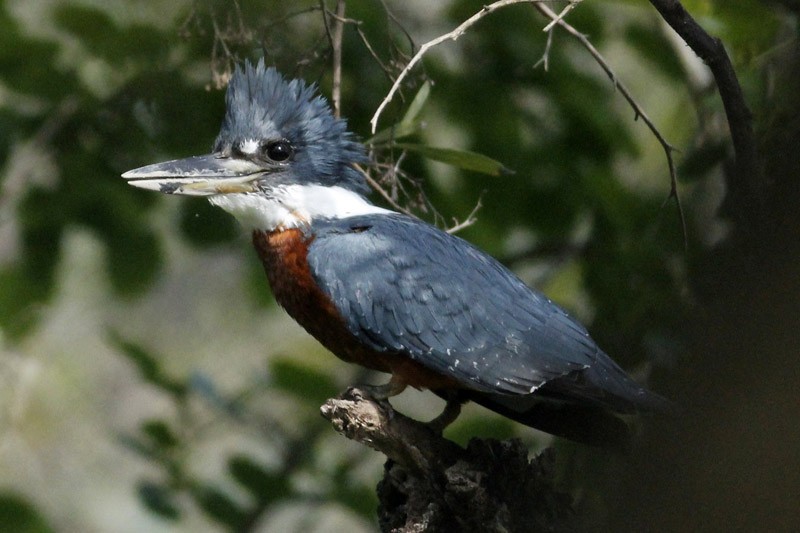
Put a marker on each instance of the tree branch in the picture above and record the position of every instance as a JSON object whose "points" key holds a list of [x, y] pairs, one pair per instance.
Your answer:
{"points": [[450, 36], [338, 30], [740, 120], [637, 109], [432, 484]]}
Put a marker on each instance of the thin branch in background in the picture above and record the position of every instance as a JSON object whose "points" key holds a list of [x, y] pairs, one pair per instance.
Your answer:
{"points": [[381, 191], [371, 49], [395, 173], [23, 158], [399, 58], [545, 59], [392, 18], [325, 22], [336, 45], [450, 36], [740, 120], [569, 7], [556, 20], [223, 58], [220, 74], [637, 109], [470, 220]]}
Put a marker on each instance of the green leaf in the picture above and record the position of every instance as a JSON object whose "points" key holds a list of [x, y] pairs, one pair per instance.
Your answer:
{"points": [[134, 261], [306, 383], [652, 44], [102, 36], [698, 162], [138, 446], [417, 103], [159, 433], [266, 487], [204, 225], [459, 158], [220, 507], [158, 499], [20, 300], [147, 364], [360, 499], [398, 131], [19, 516], [409, 124]]}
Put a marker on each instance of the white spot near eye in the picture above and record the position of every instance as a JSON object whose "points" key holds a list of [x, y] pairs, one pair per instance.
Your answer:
{"points": [[249, 146]]}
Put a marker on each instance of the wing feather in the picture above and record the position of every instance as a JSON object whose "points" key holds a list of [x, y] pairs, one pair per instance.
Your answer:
{"points": [[405, 286]]}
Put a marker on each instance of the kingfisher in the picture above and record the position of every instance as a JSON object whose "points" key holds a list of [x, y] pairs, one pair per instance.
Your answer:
{"points": [[386, 290]]}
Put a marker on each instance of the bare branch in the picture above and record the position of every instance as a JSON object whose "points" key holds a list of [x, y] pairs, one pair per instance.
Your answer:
{"points": [[380, 190], [450, 36], [545, 59], [338, 30], [740, 120], [637, 109], [555, 20], [569, 7], [470, 220]]}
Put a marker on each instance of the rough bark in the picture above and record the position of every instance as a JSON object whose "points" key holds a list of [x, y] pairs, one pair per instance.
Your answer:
{"points": [[431, 484]]}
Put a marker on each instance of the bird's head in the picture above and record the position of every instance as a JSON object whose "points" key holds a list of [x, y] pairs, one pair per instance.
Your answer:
{"points": [[281, 158]]}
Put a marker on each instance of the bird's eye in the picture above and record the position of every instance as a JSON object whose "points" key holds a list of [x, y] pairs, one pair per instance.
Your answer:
{"points": [[278, 151]]}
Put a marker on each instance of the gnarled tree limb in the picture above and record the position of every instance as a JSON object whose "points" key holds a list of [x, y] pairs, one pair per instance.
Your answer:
{"points": [[432, 484]]}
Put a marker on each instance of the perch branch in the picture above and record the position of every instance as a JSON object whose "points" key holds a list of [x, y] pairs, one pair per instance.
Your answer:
{"points": [[407, 442], [432, 484]]}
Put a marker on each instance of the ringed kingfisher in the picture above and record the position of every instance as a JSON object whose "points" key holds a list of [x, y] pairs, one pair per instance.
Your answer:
{"points": [[388, 291]]}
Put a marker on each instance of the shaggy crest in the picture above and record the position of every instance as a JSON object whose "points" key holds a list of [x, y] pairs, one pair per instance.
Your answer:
{"points": [[262, 105]]}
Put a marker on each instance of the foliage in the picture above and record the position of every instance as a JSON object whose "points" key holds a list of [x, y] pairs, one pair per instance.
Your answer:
{"points": [[570, 185], [19, 516], [167, 443]]}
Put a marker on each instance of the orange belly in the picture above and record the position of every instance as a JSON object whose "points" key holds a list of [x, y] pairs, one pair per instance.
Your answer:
{"points": [[284, 255]]}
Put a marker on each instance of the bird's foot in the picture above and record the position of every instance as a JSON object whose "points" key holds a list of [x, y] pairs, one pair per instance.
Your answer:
{"points": [[447, 417], [383, 392]]}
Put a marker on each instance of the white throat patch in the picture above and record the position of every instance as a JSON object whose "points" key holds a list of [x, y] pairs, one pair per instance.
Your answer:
{"points": [[291, 206]]}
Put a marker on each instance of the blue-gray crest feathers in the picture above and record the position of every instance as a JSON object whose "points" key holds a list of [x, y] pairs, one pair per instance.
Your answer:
{"points": [[261, 104]]}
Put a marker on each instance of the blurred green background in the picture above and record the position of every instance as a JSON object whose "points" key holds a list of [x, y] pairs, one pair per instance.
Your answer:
{"points": [[148, 382]]}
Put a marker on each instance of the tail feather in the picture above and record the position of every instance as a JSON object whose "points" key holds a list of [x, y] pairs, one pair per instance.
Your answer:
{"points": [[585, 424]]}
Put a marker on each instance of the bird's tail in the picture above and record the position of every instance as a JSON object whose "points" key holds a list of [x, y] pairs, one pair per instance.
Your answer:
{"points": [[590, 425]]}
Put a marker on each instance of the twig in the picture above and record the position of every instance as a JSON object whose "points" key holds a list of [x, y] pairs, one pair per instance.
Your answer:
{"points": [[451, 36], [637, 109], [336, 44], [380, 190], [470, 220], [740, 121], [545, 59], [569, 7]]}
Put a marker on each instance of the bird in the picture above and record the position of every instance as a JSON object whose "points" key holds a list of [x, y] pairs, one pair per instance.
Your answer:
{"points": [[388, 291]]}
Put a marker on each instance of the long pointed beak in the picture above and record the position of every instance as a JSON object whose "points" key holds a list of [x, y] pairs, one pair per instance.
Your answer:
{"points": [[203, 175]]}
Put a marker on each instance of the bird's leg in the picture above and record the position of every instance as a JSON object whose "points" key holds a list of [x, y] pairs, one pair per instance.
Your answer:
{"points": [[451, 411], [393, 387]]}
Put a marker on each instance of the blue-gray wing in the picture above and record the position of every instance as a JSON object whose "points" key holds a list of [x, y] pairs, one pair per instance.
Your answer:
{"points": [[404, 286]]}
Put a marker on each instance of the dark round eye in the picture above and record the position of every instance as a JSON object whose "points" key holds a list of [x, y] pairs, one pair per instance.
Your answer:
{"points": [[278, 151]]}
